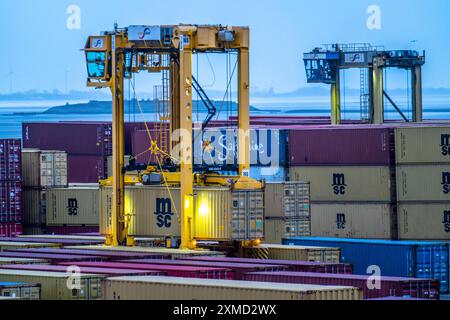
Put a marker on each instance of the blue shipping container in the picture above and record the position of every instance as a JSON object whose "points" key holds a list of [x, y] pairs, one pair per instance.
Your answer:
{"points": [[425, 260]]}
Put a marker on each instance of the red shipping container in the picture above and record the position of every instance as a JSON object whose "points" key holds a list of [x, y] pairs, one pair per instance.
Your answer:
{"points": [[141, 143], [86, 169], [10, 201], [10, 160], [10, 230], [361, 145], [389, 286], [172, 271], [299, 266], [238, 268]]}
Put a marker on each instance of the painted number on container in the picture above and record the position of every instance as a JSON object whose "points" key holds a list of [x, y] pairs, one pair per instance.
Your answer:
{"points": [[339, 184], [163, 213], [445, 144], [72, 207]]}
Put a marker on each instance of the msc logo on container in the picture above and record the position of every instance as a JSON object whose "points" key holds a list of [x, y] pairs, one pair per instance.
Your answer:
{"points": [[163, 213], [340, 221], [446, 221], [445, 144], [446, 182], [339, 184], [72, 207]]}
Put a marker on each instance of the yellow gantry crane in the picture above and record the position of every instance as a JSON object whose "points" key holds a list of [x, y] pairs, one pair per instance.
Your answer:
{"points": [[114, 56]]}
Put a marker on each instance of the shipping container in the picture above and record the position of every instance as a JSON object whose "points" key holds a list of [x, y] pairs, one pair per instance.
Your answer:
{"points": [[54, 258], [10, 160], [74, 206], [167, 288], [141, 144], [86, 169], [287, 200], [423, 183], [416, 259], [68, 230], [238, 269], [6, 260], [388, 286], [13, 244], [292, 265], [219, 214], [170, 270], [10, 201], [54, 285], [109, 171], [334, 184], [269, 174], [276, 229], [10, 229], [24, 291], [110, 272], [426, 221], [34, 200], [302, 253], [76, 138], [44, 168], [422, 144], [353, 220], [62, 242], [341, 146]]}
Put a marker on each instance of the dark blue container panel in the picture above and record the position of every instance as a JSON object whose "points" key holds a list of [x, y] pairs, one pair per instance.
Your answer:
{"points": [[428, 260]]}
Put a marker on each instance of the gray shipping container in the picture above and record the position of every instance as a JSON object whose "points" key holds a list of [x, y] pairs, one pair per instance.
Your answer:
{"points": [[423, 183], [109, 164], [277, 229], [219, 214], [335, 184], [425, 221], [287, 200], [357, 220], [167, 288], [33, 207], [44, 168], [76, 206], [429, 144]]}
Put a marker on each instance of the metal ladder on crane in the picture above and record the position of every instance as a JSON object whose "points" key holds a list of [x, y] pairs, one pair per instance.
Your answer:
{"points": [[161, 97], [364, 97]]}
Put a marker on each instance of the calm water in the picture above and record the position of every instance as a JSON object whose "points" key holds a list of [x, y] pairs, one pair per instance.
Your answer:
{"points": [[436, 107]]}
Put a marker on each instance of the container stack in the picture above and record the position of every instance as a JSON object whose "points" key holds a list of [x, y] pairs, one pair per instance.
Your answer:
{"points": [[10, 188], [423, 182], [42, 170], [352, 179], [287, 211]]}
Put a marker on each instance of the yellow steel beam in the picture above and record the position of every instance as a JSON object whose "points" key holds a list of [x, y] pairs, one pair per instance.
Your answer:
{"points": [[336, 101], [378, 97], [417, 94], [244, 112]]}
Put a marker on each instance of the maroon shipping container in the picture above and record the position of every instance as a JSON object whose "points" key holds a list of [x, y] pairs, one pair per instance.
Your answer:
{"points": [[390, 286], [86, 270], [55, 258], [10, 229], [86, 169], [299, 266], [238, 268], [82, 138], [62, 241], [110, 255], [10, 160], [10, 201], [171, 270], [71, 230], [362, 145], [141, 144]]}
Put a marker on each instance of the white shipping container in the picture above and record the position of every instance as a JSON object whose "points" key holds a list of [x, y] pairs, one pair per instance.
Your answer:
{"points": [[425, 221], [168, 288], [44, 168], [334, 184], [287, 200], [353, 220], [76, 206], [219, 213], [430, 144], [423, 183]]}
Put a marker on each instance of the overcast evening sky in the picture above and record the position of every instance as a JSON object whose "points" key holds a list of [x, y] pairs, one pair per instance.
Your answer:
{"points": [[39, 51]]}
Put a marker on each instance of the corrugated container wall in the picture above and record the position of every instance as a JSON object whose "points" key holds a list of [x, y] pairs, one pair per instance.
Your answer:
{"points": [[10, 160], [44, 168], [34, 207], [416, 259], [160, 288], [220, 214], [341, 146], [24, 291], [333, 184], [303, 253], [287, 200], [356, 220], [277, 229], [72, 207], [86, 169], [10, 201], [429, 144]]}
